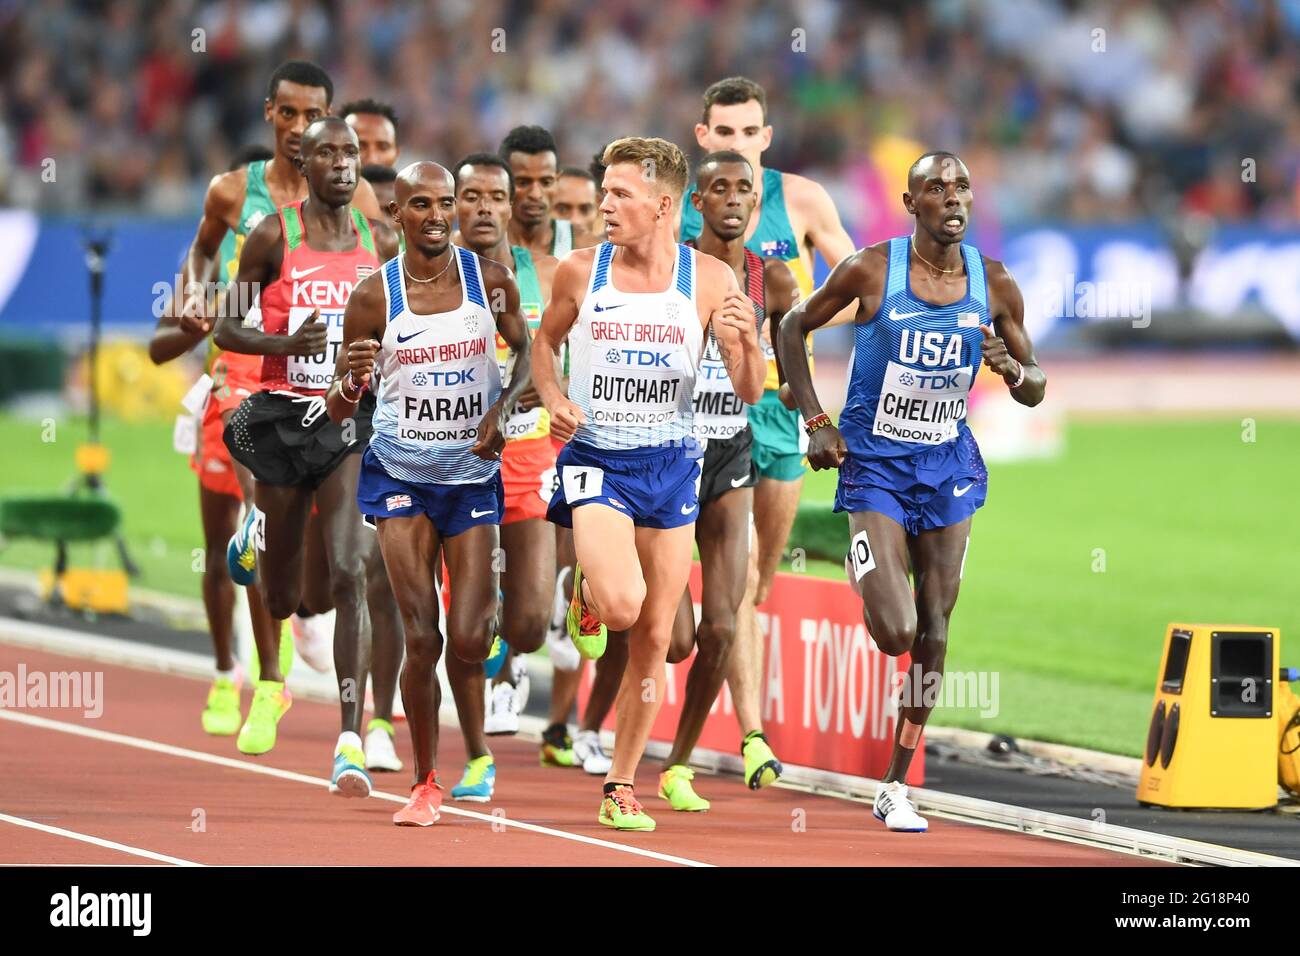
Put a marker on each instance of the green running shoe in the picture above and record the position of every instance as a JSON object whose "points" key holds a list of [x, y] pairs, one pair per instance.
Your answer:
{"points": [[675, 787], [620, 810], [557, 748], [221, 716], [761, 766], [271, 701], [586, 632]]}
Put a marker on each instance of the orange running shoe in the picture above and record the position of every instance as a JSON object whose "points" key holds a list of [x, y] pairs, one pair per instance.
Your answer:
{"points": [[621, 810], [423, 809]]}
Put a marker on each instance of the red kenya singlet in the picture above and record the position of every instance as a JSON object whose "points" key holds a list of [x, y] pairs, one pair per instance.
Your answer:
{"points": [[311, 280]]}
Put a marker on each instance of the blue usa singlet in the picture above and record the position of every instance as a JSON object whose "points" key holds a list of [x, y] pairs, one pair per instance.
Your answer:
{"points": [[913, 364]]}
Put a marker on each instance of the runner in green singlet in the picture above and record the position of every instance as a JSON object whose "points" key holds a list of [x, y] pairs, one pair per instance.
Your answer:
{"points": [[533, 158], [794, 218]]}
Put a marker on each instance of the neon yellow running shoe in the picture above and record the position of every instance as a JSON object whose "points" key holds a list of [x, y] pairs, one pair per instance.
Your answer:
{"points": [[675, 787], [621, 810], [221, 717], [585, 630], [557, 748], [761, 766], [271, 701]]}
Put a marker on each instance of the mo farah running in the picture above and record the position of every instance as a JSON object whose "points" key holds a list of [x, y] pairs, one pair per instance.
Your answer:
{"points": [[432, 474], [484, 192], [725, 198], [911, 476]]}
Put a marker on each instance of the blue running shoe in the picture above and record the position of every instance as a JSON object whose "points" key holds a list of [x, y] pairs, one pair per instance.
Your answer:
{"points": [[478, 781], [241, 556], [496, 657], [350, 778]]}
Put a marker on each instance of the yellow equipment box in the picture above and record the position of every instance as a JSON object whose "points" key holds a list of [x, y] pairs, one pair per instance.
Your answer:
{"points": [[1213, 738], [89, 589]]}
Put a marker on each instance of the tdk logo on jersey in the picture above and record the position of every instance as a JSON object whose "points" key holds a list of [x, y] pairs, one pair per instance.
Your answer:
{"points": [[937, 380], [929, 348], [640, 357], [710, 372], [459, 376], [776, 247]]}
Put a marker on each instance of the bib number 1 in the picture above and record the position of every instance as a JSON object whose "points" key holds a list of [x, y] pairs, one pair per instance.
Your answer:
{"points": [[582, 482]]}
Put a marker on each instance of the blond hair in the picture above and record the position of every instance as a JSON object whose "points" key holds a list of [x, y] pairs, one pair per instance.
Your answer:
{"points": [[660, 161]]}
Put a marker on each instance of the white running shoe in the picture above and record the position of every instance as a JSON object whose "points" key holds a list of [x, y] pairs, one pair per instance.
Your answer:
{"points": [[380, 753], [587, 751], [314, 639], [519, 671], [893, 807], [502, 718], [564, 656]]}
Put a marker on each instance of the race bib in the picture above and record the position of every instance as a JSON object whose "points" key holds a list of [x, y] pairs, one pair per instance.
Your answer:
{"points": [[923, 407], [314, 371], [635, 385], [719, 412], [582, 482], [196, 399], [535, 422], [860, 553], [185, 434], [549, 484], [442, 406]]}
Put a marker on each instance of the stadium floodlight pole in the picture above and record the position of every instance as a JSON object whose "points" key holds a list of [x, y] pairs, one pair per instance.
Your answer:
{"points": [[97, 241], [92, 458]]}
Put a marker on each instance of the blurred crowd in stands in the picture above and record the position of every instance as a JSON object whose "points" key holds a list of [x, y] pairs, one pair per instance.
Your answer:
{"points": [[1095, 110]]}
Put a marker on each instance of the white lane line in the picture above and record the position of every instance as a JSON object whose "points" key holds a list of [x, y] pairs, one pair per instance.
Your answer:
{"points": [[154, 746], [87, 838]]}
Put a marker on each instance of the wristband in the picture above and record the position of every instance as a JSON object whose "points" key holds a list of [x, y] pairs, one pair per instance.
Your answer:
{"points": [[816, 422], [343, 389], [1021, 380]]}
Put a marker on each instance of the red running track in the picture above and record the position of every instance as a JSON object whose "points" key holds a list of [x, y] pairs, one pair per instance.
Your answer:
{"points": [[166, 788]]}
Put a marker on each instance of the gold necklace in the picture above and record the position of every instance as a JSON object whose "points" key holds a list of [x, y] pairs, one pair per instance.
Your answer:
{"points": [[936, 269], [451, 254]]}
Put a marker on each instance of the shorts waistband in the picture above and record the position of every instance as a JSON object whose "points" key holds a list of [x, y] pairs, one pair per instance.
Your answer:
{"points": [[689, 446]]}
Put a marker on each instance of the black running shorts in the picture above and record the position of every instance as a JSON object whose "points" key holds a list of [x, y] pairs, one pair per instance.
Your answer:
{"points": [[728, 464], [288, 439]]}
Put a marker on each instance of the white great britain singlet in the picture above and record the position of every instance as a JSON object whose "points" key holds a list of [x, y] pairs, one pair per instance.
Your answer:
{"points": [[633, 358], [438, 377]]}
